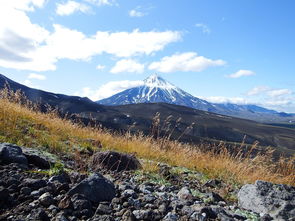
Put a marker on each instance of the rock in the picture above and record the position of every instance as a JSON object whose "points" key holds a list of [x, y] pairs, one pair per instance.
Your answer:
{"points": [[212, 183], [171, 217], [103, 218], [10, 153], [26, 190], [95, 188], [213, 197], [185, 194], [103, 209], [38, 158], [114, 161], [128, 216], [39, 214], [65, 203], [35, 184], [46, 199], [143, 214], [277, 200], [4, 195], [129, 193], [61, 178], [81, 206]]}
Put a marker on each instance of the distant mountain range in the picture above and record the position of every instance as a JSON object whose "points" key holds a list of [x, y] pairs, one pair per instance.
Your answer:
{"points": [[209, 127], [157, 90]]}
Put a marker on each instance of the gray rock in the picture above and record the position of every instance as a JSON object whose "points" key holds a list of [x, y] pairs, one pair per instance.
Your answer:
{"points": [[10, 153], [114, 161], [38, 158], [26, 190], [129, 193], [171, 217], [35, 184], [213, 197], [143, 214], [185, 194], [95, 188], [128, 216], [277, 200], [46, 199], [103, 209], [61, 178]]}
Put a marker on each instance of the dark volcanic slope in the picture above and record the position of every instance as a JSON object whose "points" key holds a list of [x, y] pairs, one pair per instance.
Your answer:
{"points": [[71, 104], [207, 125]]}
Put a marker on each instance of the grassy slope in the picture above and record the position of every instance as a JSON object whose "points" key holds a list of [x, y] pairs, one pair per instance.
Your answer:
{"points": [[24, 126]]}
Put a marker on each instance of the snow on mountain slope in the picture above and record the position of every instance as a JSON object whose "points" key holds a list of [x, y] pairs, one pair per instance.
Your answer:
{"points": [[155, 90]]}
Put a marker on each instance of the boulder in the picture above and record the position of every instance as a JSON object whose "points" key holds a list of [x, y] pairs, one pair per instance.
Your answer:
{"points": [[185, 194], [10, 153], [95, 188], [38, 158], [114, 161], [277, 200]]}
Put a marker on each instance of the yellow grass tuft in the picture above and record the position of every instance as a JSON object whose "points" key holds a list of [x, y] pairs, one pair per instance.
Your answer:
{"points": [[26, 126]]}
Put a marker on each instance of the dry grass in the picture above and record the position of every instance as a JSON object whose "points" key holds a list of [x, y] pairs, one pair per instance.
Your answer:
{"points": [[23, 125]]}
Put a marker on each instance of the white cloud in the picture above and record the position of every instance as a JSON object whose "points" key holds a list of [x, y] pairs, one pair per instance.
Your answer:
{"points": [[108, 89], [127, 65], [102, 2], [279, 102], [23, 5], [136, 13], [258, 90], [279, 92], [188, 61], [204, 28], [71, 7], [27, 46], [37, 76], [220, 99], [100, 67], [241, 73]]}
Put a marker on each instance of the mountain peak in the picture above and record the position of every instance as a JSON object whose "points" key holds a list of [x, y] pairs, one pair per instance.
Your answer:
{"points": [[155, 81]]}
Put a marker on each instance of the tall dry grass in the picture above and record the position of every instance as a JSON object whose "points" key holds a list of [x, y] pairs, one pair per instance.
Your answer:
{"points": [[23, 124]]}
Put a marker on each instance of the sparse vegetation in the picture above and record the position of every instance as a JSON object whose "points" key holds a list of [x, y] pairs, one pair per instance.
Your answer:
{"points": [[21, 123]]}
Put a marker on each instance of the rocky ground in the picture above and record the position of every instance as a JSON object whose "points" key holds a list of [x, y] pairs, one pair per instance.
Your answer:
{"points": [[32, 188]]}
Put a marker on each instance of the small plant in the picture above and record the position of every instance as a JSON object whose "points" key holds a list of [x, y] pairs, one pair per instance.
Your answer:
{"points": [[57, 169]]}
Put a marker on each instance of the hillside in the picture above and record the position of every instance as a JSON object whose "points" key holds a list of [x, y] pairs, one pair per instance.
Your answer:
{"points": [[139, 117]]}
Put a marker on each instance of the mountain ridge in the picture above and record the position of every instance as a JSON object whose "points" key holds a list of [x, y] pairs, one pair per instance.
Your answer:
{"points": [[156, 90]]}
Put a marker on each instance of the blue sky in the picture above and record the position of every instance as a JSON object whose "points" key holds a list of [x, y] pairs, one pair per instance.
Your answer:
{"points": [[222, 50]]}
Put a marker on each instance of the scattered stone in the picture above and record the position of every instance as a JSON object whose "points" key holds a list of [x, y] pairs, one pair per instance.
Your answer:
{"points": [[213, 183], [10, 153], [38, 158], [213, 197], [185, 194], [143, 214], [277, 200], [95, 188], [61, 178], [46, 199], [114, 161], [35, 184], [171, 217], [103, 209]]}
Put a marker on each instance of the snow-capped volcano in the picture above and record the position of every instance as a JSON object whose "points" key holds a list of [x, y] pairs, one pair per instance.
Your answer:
{"points": [[155, 90]]}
